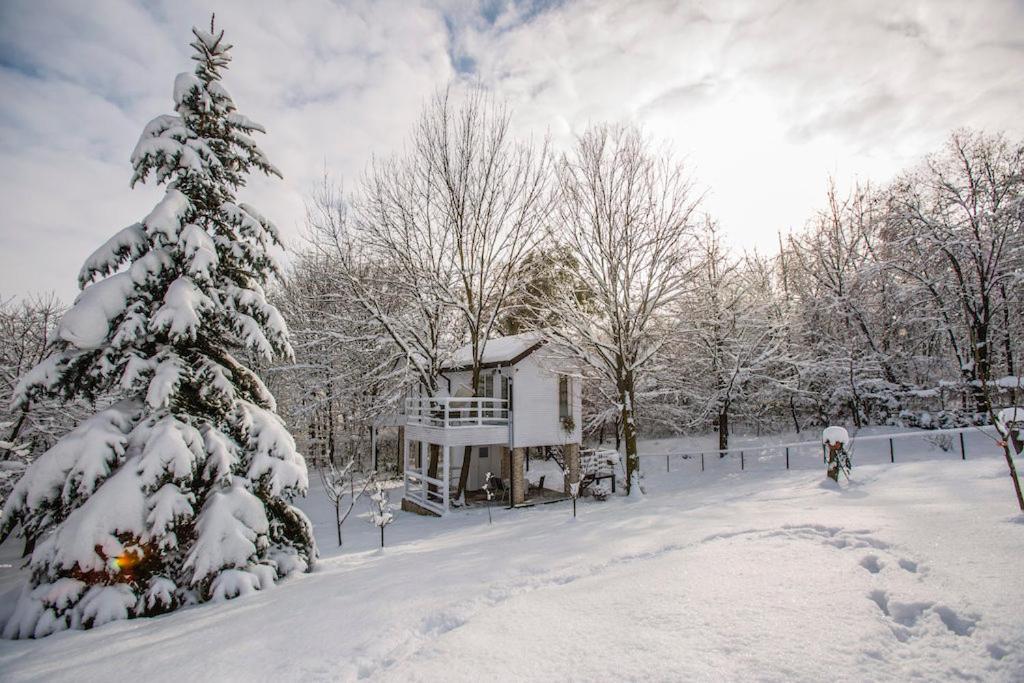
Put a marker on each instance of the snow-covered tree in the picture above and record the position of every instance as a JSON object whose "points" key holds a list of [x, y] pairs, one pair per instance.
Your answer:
{"points": [[380, 509], [451, 220], [26, 330], [12, 467], [178, 492], [729, 343], [339, 482], [1008, 423], [957, 223], [624, 214], [347, 371]]}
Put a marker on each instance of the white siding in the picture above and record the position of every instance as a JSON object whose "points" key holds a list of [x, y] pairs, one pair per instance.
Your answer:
{"points": [[478, 467], [535, 420]]}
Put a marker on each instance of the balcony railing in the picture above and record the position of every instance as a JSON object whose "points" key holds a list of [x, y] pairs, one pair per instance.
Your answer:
{"points": [[455, 412]]}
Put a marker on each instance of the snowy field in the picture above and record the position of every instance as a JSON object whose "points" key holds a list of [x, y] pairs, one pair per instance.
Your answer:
{"points": [[912, 571]]}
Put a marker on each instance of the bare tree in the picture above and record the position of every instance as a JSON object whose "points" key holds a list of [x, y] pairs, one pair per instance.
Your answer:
{"points": [[450, 220], [26, 329], [381, 268], [624, 212], [339, 482], [956, 226]]}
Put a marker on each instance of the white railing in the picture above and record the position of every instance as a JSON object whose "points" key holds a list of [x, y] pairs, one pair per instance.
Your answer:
{"points": [[454, 412], [426, 491]]}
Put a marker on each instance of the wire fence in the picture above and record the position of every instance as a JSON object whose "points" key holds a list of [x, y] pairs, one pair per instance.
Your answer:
{"points": [[945, 444]]}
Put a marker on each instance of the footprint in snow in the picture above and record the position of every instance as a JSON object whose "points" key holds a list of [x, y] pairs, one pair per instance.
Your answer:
{"points": [[907, 615], [872, 563], [908, 565]]}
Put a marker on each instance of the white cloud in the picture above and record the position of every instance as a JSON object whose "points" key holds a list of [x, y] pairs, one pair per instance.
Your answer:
{"points": [[764, 99]]}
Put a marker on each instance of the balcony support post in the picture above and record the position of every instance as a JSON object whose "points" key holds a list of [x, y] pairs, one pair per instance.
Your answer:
{"points": [[445, 477]]}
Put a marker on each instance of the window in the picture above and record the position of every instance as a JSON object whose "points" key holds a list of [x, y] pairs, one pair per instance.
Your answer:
{"points": [[488, 392], [506, 393], [563, 396], [483, 452]]}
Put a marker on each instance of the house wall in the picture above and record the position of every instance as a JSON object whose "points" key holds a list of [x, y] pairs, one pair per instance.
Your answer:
{"points": [[535, 402], [478, 467], [534, 399]]}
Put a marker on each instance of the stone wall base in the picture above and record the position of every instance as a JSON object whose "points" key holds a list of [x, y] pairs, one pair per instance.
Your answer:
{"points": [[409, 506]]}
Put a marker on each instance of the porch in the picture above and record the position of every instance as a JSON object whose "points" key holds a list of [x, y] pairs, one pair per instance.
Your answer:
{"points": [[538, 482], [446, 423], [456, 421]]}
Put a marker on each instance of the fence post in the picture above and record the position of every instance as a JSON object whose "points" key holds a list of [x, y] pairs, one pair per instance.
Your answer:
{"points": [[741, 460], [666, 463], [892, 453], [963, 452], [701, 462], [787, 457]]}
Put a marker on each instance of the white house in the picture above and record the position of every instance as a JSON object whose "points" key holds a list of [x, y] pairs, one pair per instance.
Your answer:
{"points": [[530, 396]]}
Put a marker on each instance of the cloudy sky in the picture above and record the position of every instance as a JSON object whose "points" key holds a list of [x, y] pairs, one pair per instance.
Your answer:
{"points": [[764, 99]]}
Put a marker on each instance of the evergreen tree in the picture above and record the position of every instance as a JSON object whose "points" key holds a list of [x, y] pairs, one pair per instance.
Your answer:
{"points": [[177, 493]]}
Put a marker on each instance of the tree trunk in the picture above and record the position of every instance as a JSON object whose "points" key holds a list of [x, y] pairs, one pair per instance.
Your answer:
{"points": [[1012, 444], [629, 433], [981, 372], [1013, 474], [331, 445], [1007, 344], [337, 519], [12, 437], [399, 453], [467, 451], [723, 430]]}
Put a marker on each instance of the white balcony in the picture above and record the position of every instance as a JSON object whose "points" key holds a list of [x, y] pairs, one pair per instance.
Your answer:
{"points": [[457, 421]]}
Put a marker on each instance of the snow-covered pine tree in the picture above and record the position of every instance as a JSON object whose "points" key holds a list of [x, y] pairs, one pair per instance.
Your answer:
{"points": [[178, 492]]}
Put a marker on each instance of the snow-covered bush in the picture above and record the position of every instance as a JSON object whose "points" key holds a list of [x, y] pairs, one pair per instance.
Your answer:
{"points": [[837, 441], [489, 491], [380, 509], [178, 492], [943, 442]]}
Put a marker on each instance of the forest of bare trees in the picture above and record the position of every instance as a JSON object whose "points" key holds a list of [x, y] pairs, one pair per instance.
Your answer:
{"points": [[896, 303]]}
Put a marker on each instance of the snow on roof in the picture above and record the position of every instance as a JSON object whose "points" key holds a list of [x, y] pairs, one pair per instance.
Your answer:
{"points": [[498, 350]]}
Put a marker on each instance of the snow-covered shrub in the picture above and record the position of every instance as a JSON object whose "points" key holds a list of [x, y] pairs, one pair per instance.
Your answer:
{"points": [[178, 492], [489, 491], [380, 509], [943, 442], [837, 441]]}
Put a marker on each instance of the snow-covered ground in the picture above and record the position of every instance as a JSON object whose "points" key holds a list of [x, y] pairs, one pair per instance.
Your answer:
{"points": [[912, 570]]}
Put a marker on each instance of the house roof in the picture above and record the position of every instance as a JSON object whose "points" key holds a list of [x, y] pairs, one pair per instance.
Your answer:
{"points": [[498, 352]]}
